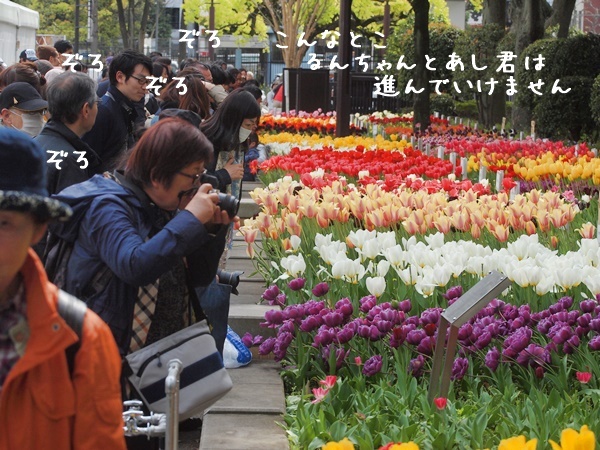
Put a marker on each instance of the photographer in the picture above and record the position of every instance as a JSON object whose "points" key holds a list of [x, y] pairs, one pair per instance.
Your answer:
{"points": [[145, 237]]}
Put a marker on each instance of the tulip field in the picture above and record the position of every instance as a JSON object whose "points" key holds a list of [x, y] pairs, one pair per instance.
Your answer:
{"points": [[365, 240]]}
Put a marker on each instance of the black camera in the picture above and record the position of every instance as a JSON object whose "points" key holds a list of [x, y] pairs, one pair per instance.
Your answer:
{"points": [[230, 278], [227, 203]]}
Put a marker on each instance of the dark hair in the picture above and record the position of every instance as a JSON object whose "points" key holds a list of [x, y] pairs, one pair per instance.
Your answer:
{"points": [[254, 90], [155, 54], [187, 63], [165, 148], [233, 72], [46, 52], [67, 94], [219, 76], [157, 69], [125, 62], [224, 125], [27, 72], [251, 82], [164, 60], [195, 99], [62, 46]]}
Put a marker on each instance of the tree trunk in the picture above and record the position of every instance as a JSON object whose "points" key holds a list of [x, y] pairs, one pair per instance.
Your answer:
{"points": [[528, 25], [494, 11], [562, 10], [421, 78], [123, 24], [131, 8], [493, 108], [143, 23]]}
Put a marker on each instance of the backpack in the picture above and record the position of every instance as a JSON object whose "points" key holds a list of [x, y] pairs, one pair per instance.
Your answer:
{"points": [[72, 310]]}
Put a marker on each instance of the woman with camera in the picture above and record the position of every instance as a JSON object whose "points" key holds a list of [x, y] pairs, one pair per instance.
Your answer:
{"points": [[145, 237]]}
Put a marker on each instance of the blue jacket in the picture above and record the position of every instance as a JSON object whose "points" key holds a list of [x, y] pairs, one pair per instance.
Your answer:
{"points": [[109, 227]]}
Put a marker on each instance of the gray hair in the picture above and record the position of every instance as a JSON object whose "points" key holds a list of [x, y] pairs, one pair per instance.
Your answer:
{"points": [[67, 93]]}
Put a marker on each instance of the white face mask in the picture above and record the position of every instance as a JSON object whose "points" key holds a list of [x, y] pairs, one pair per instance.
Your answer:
{"points": [[32, 123], [244, 133]]}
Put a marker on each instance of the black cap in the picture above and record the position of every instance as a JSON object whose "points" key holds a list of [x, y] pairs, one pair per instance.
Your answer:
{"points": [[23, 96], [28, 54]]}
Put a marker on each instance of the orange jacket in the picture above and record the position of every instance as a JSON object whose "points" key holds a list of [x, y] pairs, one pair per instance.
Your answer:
{"points": [[41, 407]]}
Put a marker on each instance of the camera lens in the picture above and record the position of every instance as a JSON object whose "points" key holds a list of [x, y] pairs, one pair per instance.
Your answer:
{"points": [[229, 204]]}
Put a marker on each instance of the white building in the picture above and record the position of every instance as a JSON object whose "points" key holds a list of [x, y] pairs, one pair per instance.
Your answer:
{"points": [[18, 26]]}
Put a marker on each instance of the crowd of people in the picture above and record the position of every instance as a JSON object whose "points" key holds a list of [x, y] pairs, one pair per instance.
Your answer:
{"points": [[116, 190]]}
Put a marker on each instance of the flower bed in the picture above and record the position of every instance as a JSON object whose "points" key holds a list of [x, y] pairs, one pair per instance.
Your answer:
{"points": [[363, 249]]}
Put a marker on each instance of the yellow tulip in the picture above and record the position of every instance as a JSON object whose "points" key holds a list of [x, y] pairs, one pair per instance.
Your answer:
{"points": [[344, 444], [517, 443], [572, 440]]}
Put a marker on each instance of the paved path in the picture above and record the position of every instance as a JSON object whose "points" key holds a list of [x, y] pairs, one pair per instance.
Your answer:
{"points": [[248, 417]]}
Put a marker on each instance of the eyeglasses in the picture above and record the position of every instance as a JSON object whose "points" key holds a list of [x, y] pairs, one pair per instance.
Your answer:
{"points": [[141, 80], [196, 178]]}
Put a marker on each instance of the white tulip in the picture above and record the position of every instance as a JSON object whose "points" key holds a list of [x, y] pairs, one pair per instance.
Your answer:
{"points": [[376, 286], [383, 267], [295, 241], [294, 265]]}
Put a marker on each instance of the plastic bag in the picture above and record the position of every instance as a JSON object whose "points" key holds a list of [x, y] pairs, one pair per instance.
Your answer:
{"points": [[235, 353]]}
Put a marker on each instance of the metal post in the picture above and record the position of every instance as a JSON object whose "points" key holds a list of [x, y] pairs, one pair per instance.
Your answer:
{"points": [[172, 391], [76, 43], [342, 127], [211, 26], [156, 34]]}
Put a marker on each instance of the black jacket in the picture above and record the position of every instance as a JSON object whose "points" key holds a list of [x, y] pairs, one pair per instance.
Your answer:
{"points": [[55, 136], [113, 131]]}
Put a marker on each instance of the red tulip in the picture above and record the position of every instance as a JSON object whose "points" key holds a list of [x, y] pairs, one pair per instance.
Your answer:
{"points": [[584, 377], [440, 402]]}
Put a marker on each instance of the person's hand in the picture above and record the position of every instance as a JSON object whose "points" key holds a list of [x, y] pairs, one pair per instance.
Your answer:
{"points": [[235, 170], [203, 205]]}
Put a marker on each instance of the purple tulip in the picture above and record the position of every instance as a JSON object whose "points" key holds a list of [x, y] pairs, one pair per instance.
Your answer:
{"points": [[313, 307], [571, 344], [320, 289], [517, 323], [453, 293], [273, 318], [561, 316], [287, 327], [431, 315], [344, 335], [279, 300], [560, 333], [405, 306], [459, 368], [496, 305], [415, 337], [595, 324], [340, 355], [373, 365], [492, 358], [267, 346], [333, 319], [270, 293], [584, 320], [426, 346], [567, 302], [510, 312], [572, 317], [250, 341], [368, 302], [525, 312], [311, 323], [324, 337], [345, 307], [296, 284], [416, 366], [588, 306], [383, 325], [483, 340], [544, 326], [533, 355], [294, 312], [594, 343], [390, 315]]}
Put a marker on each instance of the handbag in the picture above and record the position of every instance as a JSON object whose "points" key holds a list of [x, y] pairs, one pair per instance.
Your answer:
{"points": [[203, 379]]}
